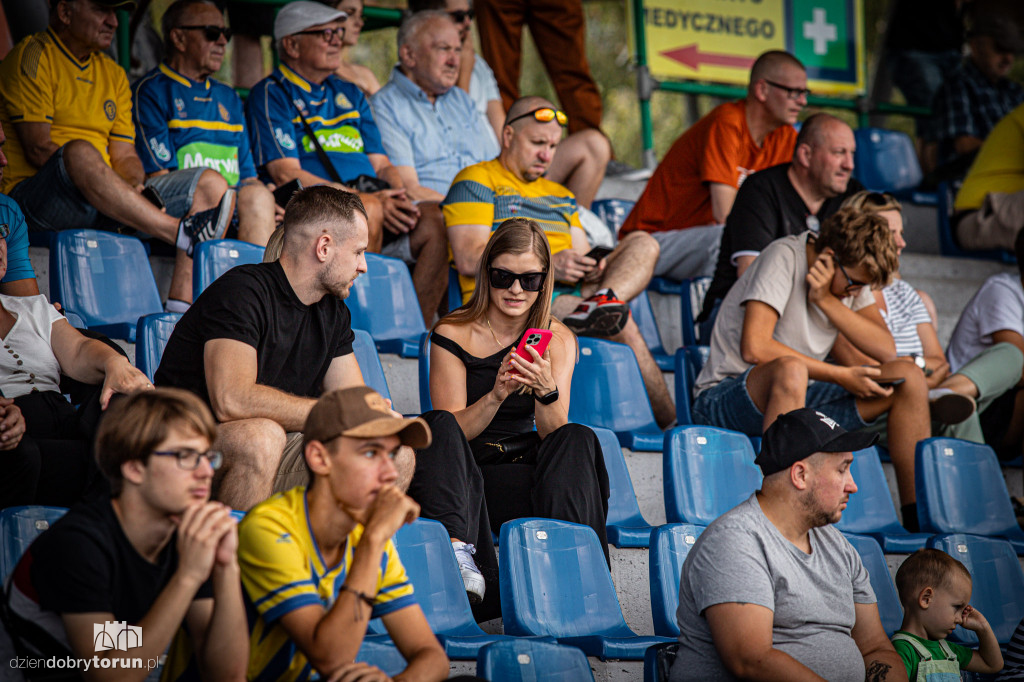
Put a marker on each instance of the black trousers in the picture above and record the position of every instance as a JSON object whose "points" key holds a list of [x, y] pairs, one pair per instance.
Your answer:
{"points": [[568, 482]]}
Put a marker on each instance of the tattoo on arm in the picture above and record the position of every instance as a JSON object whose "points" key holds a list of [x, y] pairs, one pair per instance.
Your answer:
{"points": [[877, 671]]}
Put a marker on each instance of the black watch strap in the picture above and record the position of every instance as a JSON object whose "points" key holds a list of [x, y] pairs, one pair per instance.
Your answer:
{"points": [[548, 398]]}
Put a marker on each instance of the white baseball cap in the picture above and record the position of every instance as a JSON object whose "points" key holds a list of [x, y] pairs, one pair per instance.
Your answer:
{"points": [[302, 14]]}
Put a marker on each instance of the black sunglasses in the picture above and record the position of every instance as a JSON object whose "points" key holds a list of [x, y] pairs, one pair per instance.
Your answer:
{"points": [[211, 33], [503, 279], [460, 15]]}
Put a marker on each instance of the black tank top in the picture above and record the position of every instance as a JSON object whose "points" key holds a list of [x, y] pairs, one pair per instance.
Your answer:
{"points": [[515, 414]]}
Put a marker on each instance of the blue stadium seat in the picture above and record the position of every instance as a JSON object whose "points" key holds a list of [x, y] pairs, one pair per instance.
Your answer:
{"points": [[870, 510], [608, 391], [998, 584], [643, 315], [74, 320], [153, 331], [612, 212], [947, 245], [237, 514], [527, 660], [626, 526], [871, 556], [687, 364], [707, 472], [424, 374], [690, 307], [961, 489], [658, 660], [42, 238], [381, 652], [369, 363], [426, 552], [19, 526], [555, 582], [215, 257], [454, 290], [383, 302], [105, 279], [669, 546], [886, 161]]}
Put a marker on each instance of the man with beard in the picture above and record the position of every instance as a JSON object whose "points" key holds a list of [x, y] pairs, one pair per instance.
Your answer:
{"points": [[771, 590]]}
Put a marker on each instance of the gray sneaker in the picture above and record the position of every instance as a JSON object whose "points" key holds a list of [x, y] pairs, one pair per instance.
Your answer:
{"points": [[206, 225], [471, 576]]}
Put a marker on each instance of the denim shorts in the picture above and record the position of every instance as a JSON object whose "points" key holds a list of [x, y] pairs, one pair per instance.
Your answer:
{"points": [[729, 405], [50, 200]]}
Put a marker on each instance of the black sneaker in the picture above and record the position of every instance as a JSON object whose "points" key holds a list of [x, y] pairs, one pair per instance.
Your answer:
{"points": [[600, 315], [206, 225]]}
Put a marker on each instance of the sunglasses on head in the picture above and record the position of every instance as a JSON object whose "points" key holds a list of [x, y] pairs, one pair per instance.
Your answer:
{"points": [[210, 33], [460, 15], [544, 115], [503, 279]]}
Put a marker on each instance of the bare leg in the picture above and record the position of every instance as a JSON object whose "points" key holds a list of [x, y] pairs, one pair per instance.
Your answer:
{"points": [[629, 268], [778, 387], [429, 245], [209, 191], [405, 462], [252, 452], [101, 186], [579, 164], [960, 384], [255, 213]]}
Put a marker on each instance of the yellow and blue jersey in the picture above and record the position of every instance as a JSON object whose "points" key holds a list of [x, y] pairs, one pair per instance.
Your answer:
{"points": [[42, 82], [283, 570], [488, 194], [181, 123], [337, 112]]}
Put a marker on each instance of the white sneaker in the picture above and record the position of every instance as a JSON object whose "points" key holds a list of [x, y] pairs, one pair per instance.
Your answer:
{"points": [[471, 576]]}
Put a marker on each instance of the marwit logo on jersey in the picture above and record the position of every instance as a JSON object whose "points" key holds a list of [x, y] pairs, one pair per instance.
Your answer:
{"points": [[160, 149], [284, 139], [220, 158], [343, 139]]}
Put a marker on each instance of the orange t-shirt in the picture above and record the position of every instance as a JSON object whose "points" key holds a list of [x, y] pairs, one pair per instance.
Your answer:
{"points": [[717, 148]]}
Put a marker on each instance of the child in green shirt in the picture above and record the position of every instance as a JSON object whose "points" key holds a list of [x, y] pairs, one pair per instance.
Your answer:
{"points": [[935, 590]]}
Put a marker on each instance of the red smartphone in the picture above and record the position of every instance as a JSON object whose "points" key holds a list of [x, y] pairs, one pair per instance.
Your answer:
{"points": [[538, 338]]}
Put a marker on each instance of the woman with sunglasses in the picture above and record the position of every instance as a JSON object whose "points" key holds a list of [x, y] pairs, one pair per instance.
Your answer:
{"points": [[361, 76], [498, 396], [958, 398]]}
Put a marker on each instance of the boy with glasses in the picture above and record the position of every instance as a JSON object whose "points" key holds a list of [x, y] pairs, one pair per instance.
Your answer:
{"points": [[156, 556]]}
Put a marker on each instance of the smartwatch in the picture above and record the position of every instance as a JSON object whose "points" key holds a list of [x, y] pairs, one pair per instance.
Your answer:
{"points": [[547, 398], [918, 360]]}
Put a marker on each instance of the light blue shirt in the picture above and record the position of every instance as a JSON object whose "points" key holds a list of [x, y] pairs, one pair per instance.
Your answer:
{"points": [[437, 139]]}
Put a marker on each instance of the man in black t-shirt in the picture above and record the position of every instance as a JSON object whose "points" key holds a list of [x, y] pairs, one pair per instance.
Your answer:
{"points": [[114, 580], [786, 199]]}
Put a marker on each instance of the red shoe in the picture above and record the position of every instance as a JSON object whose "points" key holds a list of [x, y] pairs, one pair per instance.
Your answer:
{"points": [[600, 315]]}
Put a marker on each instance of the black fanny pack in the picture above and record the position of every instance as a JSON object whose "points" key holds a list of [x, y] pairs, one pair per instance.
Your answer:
{"points": [[518, 449]]}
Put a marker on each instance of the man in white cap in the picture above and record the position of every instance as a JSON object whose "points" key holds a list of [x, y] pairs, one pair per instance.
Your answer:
{"points": [[307, 124]]}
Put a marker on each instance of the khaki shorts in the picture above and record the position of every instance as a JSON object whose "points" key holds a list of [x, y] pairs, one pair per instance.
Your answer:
{"points": [[293, 470]]}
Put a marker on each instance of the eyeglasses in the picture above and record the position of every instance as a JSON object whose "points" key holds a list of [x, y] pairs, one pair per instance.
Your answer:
{"points": [[326, 33], [851, 283], [188, 459], [210, 33], [791, 93], [5, 231], [503, 279], [460, 15], [544, 115]]}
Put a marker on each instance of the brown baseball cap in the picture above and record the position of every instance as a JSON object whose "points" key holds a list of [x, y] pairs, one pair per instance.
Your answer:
{"points": [[361, 412]]}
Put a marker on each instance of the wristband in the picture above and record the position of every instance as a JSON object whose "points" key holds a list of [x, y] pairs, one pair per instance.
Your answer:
{"points": [[362, 596]]}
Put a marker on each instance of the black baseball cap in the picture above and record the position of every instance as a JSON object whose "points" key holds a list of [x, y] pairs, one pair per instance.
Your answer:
{"points": [[799, 434], [1001, 29]]}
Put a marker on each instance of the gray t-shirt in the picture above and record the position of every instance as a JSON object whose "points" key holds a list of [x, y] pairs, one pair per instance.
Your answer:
{"points": [[997, 306], [742, 557], [778, 277]]}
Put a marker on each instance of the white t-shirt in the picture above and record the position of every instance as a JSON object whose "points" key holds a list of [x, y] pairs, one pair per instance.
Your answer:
{"points": [[26, 359], [778, 277], [483, 88], [904, 311], [998, 306]]}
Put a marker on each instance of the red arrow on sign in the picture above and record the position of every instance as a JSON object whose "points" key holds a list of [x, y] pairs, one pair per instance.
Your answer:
{"points": [[692, 57]]}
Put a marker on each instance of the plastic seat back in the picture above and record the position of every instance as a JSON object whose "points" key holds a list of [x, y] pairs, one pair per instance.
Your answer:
{"points": [[871, 556], [961, 489], [885, 160], [383, 302], [105, 279], [153, 332], [643, 315], [19, 526], [423, 372], [608, 391], [870, 509], [670, 544], [554, 581], [215, 257], [707, 472], [691, 303], [687, 364], [613, 212], [528, 660], [998, 583], [369, 363], [626, 525]]}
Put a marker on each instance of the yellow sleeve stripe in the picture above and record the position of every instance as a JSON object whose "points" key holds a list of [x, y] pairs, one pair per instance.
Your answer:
{"points": [[328, 121], [130, 138], [206, 125]]}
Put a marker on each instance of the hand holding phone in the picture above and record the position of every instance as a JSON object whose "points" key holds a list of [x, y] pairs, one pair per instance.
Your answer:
{"points": [[889, 383], [599, 252], [538, 339]]}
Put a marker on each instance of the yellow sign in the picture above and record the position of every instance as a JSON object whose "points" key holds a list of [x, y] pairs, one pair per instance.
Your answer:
{"points": [[718, 40]]}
